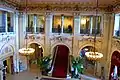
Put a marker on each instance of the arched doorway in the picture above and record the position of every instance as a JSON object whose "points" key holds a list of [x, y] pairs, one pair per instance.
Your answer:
{"points": [[60, 61], [38, 52], [8, 50], [89, 65], [115, 64]]}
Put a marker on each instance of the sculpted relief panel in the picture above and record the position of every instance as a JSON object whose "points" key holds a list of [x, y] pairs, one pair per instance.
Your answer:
{"points": [[36, 38], [89, 41], [7, 46], [6, 40], [61, 39]]}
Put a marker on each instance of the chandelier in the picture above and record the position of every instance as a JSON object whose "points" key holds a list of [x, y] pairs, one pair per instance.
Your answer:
{"points": [[26, 51], [93, 55]]}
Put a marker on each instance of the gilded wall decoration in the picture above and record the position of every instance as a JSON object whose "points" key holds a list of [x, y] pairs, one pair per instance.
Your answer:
{"points": [[116, 43]]}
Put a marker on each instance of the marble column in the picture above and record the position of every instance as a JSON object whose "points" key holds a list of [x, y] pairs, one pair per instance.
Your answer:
{"points": [[62, 24], [16, 54], [76, 34], [34, 23], [48, 31], [1, 68], [108, 28], [76, 25]]}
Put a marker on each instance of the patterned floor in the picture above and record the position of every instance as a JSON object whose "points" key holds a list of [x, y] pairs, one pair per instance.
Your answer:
{"points": [[31, 76], [23, 76], [32, 73]]}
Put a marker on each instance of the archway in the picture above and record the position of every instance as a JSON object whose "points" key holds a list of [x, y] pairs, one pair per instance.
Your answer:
{"points": [[7, 52], [89, 65], [37, 54], [115, 63], [60, 61]]}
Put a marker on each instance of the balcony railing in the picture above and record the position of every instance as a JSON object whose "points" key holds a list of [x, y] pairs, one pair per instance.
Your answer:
{"points": [[10, 29], [30, 29], [55, 30], [2, 29], [39, 30], [65, 30], [87, 31]]}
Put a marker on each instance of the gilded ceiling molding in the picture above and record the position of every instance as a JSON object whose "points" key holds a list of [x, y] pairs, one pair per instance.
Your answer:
{"points": [[58, 6], [62, 8], [6, 5], [117, 8]]}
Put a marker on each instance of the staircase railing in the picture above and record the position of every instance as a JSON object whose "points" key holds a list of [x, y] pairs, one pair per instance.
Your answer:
{"points": [[69, 64], [54, 58]]}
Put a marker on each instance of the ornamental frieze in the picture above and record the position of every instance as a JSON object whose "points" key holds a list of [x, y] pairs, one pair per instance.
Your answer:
{"points": [[7, 39], [62, 8], [59, 5], [61, 39], [90, 39], [35, 37]]}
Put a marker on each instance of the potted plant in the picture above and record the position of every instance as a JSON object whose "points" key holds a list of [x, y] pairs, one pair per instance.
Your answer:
{"points": [[77, 65], [43, 63]]}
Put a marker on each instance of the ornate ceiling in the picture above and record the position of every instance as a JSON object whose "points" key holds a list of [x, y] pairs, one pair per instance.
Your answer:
{"points": [[64, 5]]}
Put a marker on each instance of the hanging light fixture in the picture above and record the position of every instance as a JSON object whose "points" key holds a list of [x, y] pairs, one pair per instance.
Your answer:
{"points": [[26, 51], [93, 55]]}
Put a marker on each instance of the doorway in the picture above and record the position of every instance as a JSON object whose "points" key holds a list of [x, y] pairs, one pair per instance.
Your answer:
{"points": [[37, 54], [60, 61], [89, 65], [115, 65], [8, 63]]}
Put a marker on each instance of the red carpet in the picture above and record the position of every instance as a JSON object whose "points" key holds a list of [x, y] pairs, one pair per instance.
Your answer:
{"points": [[61, 62]]}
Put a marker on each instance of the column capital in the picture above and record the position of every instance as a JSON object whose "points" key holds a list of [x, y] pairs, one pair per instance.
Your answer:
{"points": [[76, 17], [76, 13], [20, 15], [108, 14], [47, 14]]}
